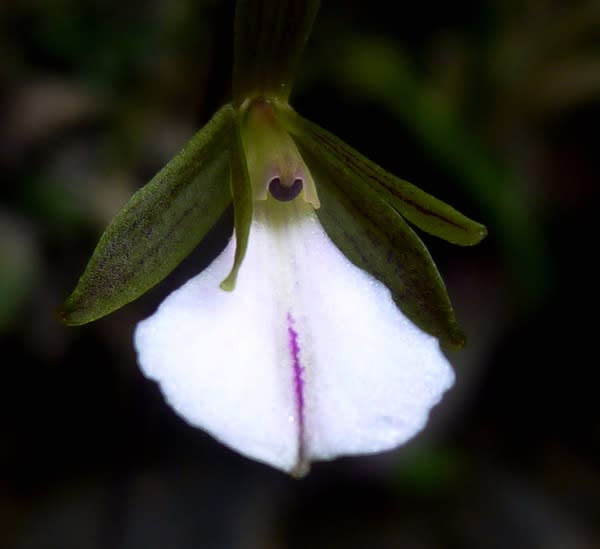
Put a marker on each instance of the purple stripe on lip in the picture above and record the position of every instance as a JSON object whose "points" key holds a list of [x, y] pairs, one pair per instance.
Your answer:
{"points": [[298, 380]]}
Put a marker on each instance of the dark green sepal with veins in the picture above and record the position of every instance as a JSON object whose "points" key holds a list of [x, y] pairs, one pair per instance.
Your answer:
{"points": [[270, 36], [421, 209], [159, 226], [376, 238], [241, 191]]}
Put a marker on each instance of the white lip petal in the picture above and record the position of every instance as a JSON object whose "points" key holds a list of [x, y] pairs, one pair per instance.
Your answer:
{"points": [[307, 359], [221, 366]]}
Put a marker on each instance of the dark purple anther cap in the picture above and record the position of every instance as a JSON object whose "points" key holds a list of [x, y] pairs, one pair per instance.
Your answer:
{"points": [[285, 193]]}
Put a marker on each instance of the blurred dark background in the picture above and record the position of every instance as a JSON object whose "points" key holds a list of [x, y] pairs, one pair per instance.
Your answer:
{"points": [[493, 106]]}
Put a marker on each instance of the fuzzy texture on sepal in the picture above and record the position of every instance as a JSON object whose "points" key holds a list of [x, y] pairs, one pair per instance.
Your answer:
{"points": [[376, 238], [269, 39], [420, 208], [159, 226]]}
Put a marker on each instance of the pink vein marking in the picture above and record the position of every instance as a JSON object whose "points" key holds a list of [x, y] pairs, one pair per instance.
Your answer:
{"points": [[298, 370]]}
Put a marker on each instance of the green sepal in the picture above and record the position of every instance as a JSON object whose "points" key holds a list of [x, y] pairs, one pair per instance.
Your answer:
{"points": [[269, 39], [421, 209], [376, 238], [241, 190], [159, 226]]}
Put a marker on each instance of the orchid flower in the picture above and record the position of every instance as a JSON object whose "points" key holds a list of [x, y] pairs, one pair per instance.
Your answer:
{"points": [[316, 333]]}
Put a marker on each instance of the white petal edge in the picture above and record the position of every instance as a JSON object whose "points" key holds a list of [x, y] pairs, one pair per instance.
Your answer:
{"points": [[223, 359]]}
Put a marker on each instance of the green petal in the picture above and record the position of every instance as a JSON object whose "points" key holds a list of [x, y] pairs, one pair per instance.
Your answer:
{"points": [[159, 226], [423, 210], [269, 40], [241, 191], [376, 238]]}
